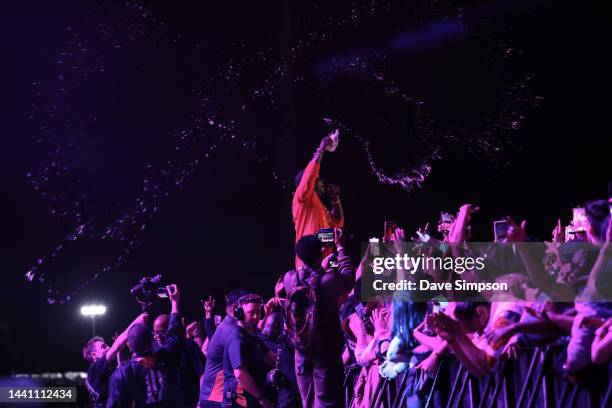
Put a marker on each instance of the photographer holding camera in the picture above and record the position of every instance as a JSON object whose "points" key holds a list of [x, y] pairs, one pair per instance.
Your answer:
{"points": [[309, 212], [282, 377], [150, 378], [191, 365]]}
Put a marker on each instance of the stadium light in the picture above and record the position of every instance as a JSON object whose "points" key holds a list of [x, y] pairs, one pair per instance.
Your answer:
{"points": [[92, 311]]}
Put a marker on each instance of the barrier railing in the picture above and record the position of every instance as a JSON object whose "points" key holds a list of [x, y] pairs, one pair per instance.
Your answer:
{"points": [[535, 379]]}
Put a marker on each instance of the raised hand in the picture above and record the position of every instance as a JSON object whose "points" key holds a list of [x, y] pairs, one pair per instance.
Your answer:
{"points": [[279, 287], [209, 305], [326, 141], [517, 233], [500, 334], [173, 293], [381, 321], [468, 209], [141, 319], [339, 239], [193, 330], [443, 326], [275, 304], [558, 234]]}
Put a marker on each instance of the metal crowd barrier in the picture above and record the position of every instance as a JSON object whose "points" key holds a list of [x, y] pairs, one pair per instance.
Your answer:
{"points": [[536, 379]]}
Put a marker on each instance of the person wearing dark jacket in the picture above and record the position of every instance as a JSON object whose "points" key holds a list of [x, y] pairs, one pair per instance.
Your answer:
{"points": [[319, 371], [150, 378], [190, 367]]}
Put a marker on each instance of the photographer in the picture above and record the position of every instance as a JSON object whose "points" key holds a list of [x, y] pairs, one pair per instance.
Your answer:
{"points": [[150, 378], [282, 377], [191, 364], [309, 212], [102, 358]]}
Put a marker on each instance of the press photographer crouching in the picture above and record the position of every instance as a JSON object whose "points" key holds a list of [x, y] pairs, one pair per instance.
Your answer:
{"points": [[149, 379]]}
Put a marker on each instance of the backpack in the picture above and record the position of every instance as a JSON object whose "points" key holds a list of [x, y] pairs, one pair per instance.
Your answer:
{"points": [[301, 315]]}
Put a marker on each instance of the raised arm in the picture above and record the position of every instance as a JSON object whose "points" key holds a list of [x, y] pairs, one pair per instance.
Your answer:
{"points": [[208, 321], [475, 359], [535, 267], [601, 350], [345, 266], [459, 227], [174, 334], [121, 340], [307, 184], [430, 342]]}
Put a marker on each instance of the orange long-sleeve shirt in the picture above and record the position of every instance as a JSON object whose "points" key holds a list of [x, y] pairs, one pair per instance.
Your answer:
{"points": [[309, 213]]}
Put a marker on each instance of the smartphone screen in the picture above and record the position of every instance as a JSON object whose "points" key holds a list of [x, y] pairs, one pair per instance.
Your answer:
{"points": [[389, 229], [579, 219], [500, 230], [325, 235], [446, 218]]}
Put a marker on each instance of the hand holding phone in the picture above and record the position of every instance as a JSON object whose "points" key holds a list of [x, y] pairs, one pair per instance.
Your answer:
{"points": [[500, 231], [388, 230]]}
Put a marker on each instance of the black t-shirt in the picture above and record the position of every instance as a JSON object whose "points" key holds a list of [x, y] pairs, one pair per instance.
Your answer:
{"points": [[243, 351], [190, 369], [98, 375]]}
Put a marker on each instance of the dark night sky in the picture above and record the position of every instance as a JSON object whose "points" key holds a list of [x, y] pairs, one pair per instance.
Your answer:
{"points": [[229, 224]]}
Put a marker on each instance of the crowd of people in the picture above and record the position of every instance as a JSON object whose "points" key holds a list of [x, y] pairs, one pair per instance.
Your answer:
{"points": [[298, 348]]}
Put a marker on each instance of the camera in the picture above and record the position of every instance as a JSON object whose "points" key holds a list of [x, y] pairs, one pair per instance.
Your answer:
{"points": [[275, 378], [148, 290]]}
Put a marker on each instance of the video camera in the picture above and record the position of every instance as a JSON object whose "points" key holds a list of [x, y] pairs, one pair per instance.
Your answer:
{"points": [[148, 290]]}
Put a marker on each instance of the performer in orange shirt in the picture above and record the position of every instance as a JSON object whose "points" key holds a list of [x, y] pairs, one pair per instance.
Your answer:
{"points": [[309, 212]]}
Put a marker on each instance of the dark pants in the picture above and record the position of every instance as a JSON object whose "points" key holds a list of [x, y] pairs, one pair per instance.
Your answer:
{"points": [[320, 379]]}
